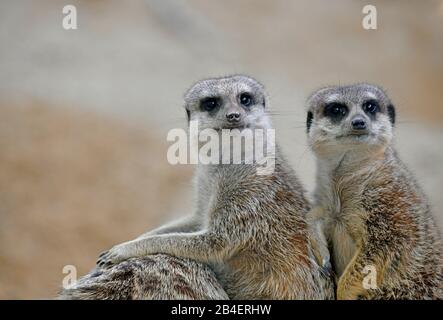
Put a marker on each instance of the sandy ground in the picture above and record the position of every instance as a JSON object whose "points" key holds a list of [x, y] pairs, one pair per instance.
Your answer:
{"points": [[84, 114], [71, 184]]}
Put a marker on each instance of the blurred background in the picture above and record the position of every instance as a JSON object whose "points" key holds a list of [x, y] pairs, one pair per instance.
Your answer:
{"points": [[84, 113]]}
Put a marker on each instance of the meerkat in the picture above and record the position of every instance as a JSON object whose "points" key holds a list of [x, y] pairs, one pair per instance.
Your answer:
{"points": [[250, 228], [373, 213], [157, 277]]}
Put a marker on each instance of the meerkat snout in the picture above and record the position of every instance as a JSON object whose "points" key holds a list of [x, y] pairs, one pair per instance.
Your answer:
{"points": [[359, 124], [233, 116]]}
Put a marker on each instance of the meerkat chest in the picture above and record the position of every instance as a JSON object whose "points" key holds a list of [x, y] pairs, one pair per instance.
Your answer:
{"points": [[342, 206]]}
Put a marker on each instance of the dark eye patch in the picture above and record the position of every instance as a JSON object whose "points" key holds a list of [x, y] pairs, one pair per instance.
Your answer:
{"points": [[210, 104], [309, 119], [335, 110], [246, 99], [391, 113], [371, 107]]}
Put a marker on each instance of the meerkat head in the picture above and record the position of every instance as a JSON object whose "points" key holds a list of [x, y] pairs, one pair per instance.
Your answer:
{"points": [[343, 118], [227, 103]]}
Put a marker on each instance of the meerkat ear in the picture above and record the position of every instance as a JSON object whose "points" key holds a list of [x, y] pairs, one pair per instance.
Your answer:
{"points": [[391, 113], [309, 120]]}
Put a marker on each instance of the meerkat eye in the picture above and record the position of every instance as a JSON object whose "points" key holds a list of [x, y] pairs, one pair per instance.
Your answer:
{"points": [[371, 107], [246, 99], [209, 104], [335, 110]]}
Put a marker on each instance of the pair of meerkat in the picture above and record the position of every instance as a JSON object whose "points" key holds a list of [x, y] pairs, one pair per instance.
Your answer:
{"points": [[254, 230], [369, 207]]}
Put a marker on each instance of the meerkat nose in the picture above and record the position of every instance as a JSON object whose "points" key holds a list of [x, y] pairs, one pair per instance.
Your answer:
{"points": [[358, 124], [233, 117]]}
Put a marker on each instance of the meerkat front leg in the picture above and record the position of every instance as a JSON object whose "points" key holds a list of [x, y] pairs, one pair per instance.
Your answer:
{"points": [[185, 225], [350, 284], [316, 220], [367, 262], [202, 246]]}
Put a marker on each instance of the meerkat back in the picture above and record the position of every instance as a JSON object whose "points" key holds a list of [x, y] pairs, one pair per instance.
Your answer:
{"points": [[158, 277]]}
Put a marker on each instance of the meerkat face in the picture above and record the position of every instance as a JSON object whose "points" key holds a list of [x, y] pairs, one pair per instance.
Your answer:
{"points": [[227, 103], [346, 118]]}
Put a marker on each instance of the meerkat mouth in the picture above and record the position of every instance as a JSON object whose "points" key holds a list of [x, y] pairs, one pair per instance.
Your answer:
{"points": [[359, 136], [234, 126]]}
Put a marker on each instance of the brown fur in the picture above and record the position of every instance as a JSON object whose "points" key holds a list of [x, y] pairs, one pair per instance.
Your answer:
{"points": [[154, 277]]}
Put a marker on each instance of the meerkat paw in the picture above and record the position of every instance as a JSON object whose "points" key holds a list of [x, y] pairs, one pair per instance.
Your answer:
{"points": [[113, 256], [347, 290]]}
